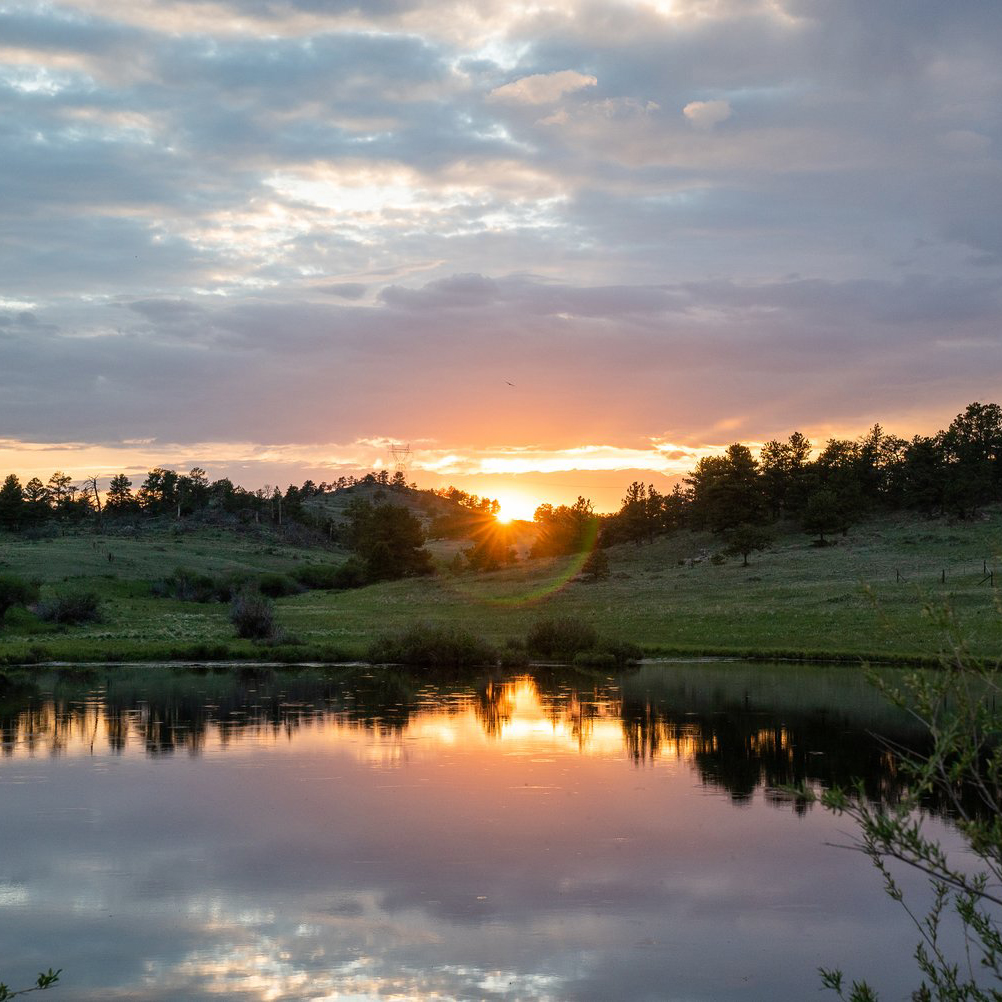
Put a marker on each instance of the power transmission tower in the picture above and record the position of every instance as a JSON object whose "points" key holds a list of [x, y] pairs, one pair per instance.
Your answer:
{"points": [[401, 457]]}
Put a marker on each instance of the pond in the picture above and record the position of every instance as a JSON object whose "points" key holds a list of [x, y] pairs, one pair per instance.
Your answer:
{"points": [[357, 833]]}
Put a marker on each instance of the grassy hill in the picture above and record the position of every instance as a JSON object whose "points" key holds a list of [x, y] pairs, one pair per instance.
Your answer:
{"points": [[866, 596]]}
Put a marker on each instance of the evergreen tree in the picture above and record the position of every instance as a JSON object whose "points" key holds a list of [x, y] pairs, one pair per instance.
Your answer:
{"points": [[11, 503], [388, 539], [36, 502], [119, 499], [727, 490]]}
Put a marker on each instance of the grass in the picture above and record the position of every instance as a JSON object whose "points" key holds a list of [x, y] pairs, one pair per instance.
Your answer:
{"points": [[794, 600]]}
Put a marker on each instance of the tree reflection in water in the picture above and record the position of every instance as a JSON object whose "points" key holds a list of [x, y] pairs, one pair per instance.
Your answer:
{"points": [[742, 729]]}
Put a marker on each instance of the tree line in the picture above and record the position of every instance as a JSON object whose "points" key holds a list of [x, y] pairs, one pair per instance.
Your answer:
{"points": [[162, 493], [955, 472], [738, 495]]}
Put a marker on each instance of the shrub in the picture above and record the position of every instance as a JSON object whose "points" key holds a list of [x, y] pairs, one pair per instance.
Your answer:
{"points": [[351, 574], [253, 615], [596, 567], [437, 646], [15, 591], [277, 585], [609, 654], [70, 610], [202, 651], [318, 576], [35, 533], [595, 659], [623, 651], [561, 638], [962, 767], [513, 657], [186, 586]]}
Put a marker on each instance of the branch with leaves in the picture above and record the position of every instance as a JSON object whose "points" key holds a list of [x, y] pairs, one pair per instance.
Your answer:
{"points": [[46, 980], [962, 772]]}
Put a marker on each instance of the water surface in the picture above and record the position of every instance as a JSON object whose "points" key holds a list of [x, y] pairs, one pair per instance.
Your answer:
{"points": [[363, 834]]}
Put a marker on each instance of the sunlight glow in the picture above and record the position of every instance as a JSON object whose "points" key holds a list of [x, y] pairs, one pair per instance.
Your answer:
{"points": [[516, 506]]}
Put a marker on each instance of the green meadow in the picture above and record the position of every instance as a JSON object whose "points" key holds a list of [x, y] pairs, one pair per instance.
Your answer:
{"points": [[898, 588]]}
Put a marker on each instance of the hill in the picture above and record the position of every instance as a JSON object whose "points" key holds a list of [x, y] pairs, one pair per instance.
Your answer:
{"points": [[866, 596]]}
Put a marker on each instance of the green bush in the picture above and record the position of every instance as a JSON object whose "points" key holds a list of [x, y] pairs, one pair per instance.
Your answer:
{"points": [[560, 638], [253, 615], [277, 585], [15, 591], [351, 574], [595, 659], [319, 576], [187, 586], [70, 610], [435, 646], [623, 651]]}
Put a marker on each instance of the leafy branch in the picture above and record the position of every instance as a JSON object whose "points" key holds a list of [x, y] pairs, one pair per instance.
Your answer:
{"points": [[46, 980]]}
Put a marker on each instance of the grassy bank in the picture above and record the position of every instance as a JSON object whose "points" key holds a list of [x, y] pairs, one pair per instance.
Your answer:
{"points": [[864, 597]]}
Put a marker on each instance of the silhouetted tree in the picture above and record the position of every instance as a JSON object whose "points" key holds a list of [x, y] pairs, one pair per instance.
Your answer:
{"points": [[119, 499], [11, 502], [36, 502], [61, 491], [388, 539], [972, 452], [564, 530], [91, 490], [158, 492], [924, 475], [726, 490], [786, 474]]}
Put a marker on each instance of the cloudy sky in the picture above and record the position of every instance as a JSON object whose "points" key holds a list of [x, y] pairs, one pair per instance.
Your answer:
{"points": [[564, 244]]}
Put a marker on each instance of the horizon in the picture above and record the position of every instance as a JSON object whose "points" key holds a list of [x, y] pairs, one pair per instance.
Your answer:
{"points": [[519, 492]]}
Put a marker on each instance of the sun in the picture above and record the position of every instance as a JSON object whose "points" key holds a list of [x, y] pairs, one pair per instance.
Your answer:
{"points": [[516, 506]]}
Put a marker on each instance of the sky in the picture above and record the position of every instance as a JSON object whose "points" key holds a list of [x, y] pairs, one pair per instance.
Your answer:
{"points": [[552, 247]]}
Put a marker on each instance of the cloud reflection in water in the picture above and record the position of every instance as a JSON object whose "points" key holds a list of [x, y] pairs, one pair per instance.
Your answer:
{"points": [[310, 836]]}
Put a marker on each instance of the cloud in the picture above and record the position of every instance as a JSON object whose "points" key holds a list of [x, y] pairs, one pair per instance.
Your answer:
{"points": [[965, 141], [704, 115], [542, 88], [295, 222], [345, 290], [457, 291]]}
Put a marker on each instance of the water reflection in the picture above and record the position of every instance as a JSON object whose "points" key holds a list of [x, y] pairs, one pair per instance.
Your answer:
{"points": [[303, 834], [733, 734]]}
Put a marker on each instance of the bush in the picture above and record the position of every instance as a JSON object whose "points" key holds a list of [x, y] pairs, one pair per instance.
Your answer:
{"points": [[277, 585], [318, 576], [15, 591], [561, 638], [596, 567], [253, 615], [436, 646], [187, 586], [70, 610], [595, 659], [609, 654], [961, 767], [36, 533], [623, 651], [513, 657], [351, 574]]}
